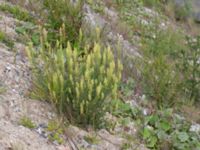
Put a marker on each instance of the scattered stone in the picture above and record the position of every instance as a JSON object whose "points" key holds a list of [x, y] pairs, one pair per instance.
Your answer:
{"points": [[195, 128]]}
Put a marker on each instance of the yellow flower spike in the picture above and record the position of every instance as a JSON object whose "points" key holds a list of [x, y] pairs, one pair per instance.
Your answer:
{"points": [[71, 78], [106, 82], [69, 50], [80, 35], [98, 90], [120, 66], [61, 60], [70, 65], [70, 91], [76, 69], [112, 65], [54, 80], [92, 83], [110, 56], [81, 108], [81, 84], [102, 69], [98, 32], [87, 73], [97, 52], [77, 93], [28, 52], [45, 35], [88, 61], [102, 95], [49, 87], [89, 97]]}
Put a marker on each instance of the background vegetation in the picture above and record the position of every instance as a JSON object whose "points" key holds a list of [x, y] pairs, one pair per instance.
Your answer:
{"points": [[80, 75]]}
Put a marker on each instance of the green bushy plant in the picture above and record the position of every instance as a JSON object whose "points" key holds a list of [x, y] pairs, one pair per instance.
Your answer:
{"points": [[80, 86], [190, 66], [162, 130], [27, 122], [17, 12], [160, 82], [160, 79], [56, 132], [152, 3], [65, 12], [182, 10], [4, 39]]}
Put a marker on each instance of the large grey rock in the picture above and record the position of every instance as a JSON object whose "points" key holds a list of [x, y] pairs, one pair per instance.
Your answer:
{"points": [[197, 17], [182, 9], [185, 9], [196, 10]]}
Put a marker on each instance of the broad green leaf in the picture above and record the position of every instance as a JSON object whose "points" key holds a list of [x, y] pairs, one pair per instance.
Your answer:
{"points": [[20, 30], [183, 136], [146, 133], [152, 141], [165, 126], [153, 119], [161, 134]]}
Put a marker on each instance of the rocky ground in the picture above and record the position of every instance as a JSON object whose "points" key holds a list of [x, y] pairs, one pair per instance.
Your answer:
{"points": [[15, 104], [15, 79], [15, 82]]}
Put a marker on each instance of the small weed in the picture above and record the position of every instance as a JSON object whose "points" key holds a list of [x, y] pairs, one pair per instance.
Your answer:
{"points": [[126, 146], [121, 108], [4, 39], [17, 12], [2, 90], [127, 88], [27, 122], [96, 5], [56, 137], [29, 32], [91, 139], [63, 12], [56, 132]]}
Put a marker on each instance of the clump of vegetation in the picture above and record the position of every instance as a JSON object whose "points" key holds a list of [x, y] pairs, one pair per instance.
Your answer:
{"points": [[56, 132], [2, 89], [160, 78], [27, 122], [92, 139], [67, 13], [29, 32], [80, 86], [17, 12], [190, 66], [162, 130], [4, 39], [182, 10]]}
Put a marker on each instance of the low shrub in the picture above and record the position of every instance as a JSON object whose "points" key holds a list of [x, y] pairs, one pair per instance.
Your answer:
{"points": [[80, 86], [65, 12], [160, 82], [27, 122], [17, 12], [190, 67], [160, 78]]}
